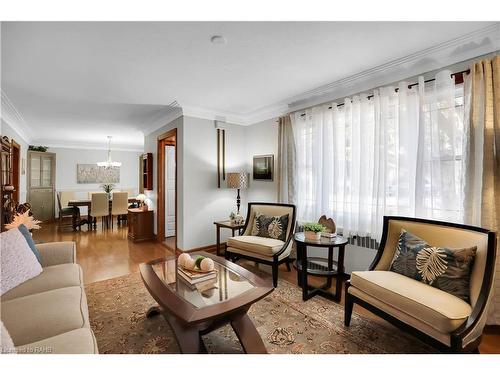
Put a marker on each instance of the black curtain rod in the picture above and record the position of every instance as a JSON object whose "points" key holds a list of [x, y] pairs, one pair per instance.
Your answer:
{"points": [[458, 79]]}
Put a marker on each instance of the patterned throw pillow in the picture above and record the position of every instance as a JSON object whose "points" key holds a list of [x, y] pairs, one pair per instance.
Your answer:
{"points": [[270, 226], [443, 268], [18, 263], [27, 235]]}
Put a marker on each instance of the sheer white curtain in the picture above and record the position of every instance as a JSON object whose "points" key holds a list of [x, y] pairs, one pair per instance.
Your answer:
{"points": [[397, 153]]}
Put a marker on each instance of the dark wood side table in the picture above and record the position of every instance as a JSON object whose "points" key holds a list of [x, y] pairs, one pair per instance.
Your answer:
{"points": [[313, 266], [226, 224], [140, 224]]}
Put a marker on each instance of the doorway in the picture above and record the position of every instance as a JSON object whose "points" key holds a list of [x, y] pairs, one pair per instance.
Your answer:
{"points": [[167, 189]]}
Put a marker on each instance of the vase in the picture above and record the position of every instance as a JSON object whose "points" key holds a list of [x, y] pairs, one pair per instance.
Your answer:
{"points": [[312, 236]]}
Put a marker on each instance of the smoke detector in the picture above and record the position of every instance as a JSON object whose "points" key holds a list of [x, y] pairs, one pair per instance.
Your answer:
{"points": [[218, 39]]}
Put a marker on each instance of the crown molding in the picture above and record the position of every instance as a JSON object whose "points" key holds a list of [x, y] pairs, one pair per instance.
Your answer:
{"points": [[14, 119], [50, 143], [465, 47], [458, 50], [169, 114], [215, 115]]}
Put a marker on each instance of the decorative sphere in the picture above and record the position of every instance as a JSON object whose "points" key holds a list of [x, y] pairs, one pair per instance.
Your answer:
{"points": [[182, 259], [207, 264], [198, 260], [189, 264]]}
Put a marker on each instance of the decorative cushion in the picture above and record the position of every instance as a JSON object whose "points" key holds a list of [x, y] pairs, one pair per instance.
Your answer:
{"points": [[432, 306], [6, 344], [443, 268], [18, 263], [270, 226], [42, 315], [255, 244], [77, 341], [27, 235], [52, 277]]}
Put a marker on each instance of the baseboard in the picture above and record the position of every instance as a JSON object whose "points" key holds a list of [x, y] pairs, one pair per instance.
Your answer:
{"points": [[494, 329], [208, 249]]}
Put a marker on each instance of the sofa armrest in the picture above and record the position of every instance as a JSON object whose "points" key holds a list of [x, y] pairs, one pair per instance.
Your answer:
{"points": [[54, 253]]}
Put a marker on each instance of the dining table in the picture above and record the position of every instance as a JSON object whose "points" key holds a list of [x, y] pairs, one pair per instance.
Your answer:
{"points": [[88, 203]]}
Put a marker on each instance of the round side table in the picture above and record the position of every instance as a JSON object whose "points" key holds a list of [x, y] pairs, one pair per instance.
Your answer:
{"points": [[313, 266]]}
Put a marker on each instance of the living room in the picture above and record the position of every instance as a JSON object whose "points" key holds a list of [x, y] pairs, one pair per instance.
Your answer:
{"points": [[235, 187]]}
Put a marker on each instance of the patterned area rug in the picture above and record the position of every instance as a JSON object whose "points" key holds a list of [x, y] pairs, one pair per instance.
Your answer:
{"points": [[286, 324]]}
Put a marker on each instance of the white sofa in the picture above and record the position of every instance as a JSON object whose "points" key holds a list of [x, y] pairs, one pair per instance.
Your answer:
{"points": [[49, 314]]}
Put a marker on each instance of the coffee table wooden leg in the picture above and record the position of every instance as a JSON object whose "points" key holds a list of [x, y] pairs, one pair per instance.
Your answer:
{"points": [[248, 335], [188, 338], [153, 311]]}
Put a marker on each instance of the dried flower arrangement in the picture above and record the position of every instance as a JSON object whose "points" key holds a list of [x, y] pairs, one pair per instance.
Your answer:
{"points": [[24, 218]]}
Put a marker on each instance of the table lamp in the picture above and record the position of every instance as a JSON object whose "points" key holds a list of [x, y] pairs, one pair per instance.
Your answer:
{"points": [[237, 180], [141, 198]]}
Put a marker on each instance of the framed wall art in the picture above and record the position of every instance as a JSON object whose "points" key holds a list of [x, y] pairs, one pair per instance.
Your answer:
{"points": [[263, 167], [93, 174]]}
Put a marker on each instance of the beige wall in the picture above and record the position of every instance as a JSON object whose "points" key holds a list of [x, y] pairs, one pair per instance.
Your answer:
{"points": [[199, 201]]}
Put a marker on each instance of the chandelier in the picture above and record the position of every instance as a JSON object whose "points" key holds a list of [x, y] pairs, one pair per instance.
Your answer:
{"points": [[109, 163]]}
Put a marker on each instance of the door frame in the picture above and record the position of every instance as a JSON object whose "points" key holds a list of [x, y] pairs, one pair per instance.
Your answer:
{"points": [[16, 169], [163, 140]]}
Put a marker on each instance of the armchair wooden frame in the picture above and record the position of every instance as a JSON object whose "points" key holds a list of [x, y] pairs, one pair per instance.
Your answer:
{"points": [[275, 262], [457, 336]]}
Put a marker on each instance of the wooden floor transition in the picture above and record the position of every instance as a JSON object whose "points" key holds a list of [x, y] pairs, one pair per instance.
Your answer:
{"points": [[108, 254]]}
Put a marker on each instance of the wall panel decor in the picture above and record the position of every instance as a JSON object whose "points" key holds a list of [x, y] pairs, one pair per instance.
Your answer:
{"points": [[92, 174]]}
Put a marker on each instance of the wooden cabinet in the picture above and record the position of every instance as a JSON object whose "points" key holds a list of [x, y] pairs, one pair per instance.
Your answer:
{"points": [[140, 224], [147, 171], [41, 184]]}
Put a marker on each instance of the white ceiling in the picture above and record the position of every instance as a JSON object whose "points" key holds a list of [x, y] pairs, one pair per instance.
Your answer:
{"points": [[81, 81]]}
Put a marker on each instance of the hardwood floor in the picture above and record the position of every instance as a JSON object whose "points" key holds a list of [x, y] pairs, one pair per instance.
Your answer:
{"points": [[104, 254], [108, 254]]}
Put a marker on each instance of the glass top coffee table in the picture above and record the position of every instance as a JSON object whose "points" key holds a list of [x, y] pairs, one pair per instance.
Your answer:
{"points": [[194, 310]]}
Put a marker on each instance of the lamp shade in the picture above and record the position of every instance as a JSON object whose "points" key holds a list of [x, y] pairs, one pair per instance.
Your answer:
{"points": [[141, 197], [238, 180]]}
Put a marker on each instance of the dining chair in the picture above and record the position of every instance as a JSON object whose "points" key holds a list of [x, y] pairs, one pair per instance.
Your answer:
{"points": [[99, 207], [92, 192], [131, 192], [63, 197], [119, 206]]}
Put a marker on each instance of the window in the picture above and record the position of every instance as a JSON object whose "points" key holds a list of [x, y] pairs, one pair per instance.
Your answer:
{"points": [[398, 153]]}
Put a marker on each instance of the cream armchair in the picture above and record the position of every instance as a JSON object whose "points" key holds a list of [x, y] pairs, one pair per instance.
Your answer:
{"points": [[436, 317], [264, 250]]}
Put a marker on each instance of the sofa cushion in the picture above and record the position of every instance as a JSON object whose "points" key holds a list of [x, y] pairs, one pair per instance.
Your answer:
{"points": [[432, 306], [77, 341], [43, 315], [6, 344], [255, 244], [441, 267], [18, 263], [53, 277]]}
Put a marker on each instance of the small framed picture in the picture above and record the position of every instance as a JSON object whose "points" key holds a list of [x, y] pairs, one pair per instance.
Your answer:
{"points": [[263, 167]]}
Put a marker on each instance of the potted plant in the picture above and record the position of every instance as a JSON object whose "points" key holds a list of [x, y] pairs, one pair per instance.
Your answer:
{"points": [[107, 188], [312, 231]]}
